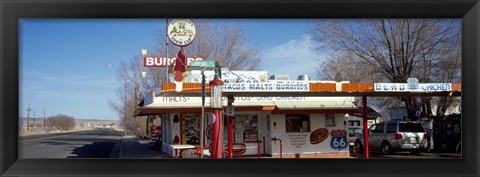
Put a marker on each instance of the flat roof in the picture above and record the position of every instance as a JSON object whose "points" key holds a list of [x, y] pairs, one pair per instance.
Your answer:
{"points": [[316, 94]]}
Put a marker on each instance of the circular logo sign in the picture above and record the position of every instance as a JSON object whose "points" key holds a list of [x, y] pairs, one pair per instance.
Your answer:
{"points": [[181, 32]]}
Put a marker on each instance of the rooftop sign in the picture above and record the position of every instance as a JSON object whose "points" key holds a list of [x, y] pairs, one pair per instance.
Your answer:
{"points": [[266, 87], [181, 32], [155, 61], [405, 87]]}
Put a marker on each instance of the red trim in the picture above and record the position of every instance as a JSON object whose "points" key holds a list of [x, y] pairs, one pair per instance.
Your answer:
{"points": [[316, 111], [155, 111], [275, 110]]}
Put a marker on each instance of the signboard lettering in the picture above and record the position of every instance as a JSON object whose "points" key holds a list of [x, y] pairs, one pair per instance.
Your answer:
{"points": [[404, 87], [156, 61], [412, 83], [267, 87], [180, 99], [200, 63], [298, 140]]}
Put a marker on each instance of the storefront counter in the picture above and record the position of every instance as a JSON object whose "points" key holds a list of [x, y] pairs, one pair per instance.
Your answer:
{"points": [[179, 147]]}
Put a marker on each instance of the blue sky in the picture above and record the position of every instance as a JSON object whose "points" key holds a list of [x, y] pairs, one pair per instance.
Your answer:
{"points": [[62, 62]]}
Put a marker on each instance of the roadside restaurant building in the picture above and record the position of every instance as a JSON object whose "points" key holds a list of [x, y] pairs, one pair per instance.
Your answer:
{"points": [[271, 118]]}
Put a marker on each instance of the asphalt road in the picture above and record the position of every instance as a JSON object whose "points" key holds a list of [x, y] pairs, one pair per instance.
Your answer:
{"points": [[96, 143]]}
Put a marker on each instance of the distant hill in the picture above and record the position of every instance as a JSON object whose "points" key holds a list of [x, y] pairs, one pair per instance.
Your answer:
{"points": [[94, 122]]}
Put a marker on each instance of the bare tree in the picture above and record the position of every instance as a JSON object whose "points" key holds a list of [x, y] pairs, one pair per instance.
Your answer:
{"points": [[393, 50], [61, 122], [225, 43]]}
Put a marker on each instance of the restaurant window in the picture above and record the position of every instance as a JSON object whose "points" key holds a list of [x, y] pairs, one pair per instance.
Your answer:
{"points": [[354, 123], [297, 123]]}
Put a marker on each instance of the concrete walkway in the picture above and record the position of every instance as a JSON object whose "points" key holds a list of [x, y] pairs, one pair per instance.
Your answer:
{"points": [[131, 147]]}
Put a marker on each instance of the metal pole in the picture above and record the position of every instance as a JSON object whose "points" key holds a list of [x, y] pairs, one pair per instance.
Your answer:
{"points": [[166, 49], [365, 127], [202, 119], [35, 119], [43, 118], [230, 131]]}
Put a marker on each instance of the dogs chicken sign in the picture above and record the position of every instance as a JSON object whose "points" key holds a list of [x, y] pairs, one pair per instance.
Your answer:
{"points": [[181, 32]]}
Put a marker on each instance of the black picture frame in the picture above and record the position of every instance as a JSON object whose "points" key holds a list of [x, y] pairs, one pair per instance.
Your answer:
{"points": [[12, 11], [329, 120]]}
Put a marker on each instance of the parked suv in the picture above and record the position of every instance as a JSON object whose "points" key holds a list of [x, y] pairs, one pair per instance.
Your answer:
{"points": [[394, 136]]}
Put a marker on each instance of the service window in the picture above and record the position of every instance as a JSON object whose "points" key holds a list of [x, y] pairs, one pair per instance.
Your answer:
{"points": [[297, 123]]}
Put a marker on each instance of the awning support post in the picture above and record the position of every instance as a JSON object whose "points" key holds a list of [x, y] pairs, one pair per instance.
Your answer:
{"points": [[230, 129], [365, 126]]}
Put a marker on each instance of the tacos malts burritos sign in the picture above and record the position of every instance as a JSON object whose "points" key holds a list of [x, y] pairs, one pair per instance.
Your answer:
{"points": [[181, 32]]}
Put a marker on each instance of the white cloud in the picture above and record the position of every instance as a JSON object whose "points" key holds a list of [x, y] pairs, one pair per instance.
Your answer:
{"points": [[295, 57]]}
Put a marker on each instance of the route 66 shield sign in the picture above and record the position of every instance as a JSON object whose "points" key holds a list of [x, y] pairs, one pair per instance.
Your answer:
{"points": [[339, 143], [339, 139]]}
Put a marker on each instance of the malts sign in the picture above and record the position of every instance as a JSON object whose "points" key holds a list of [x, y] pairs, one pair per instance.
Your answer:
{"points": [[153, 61]]}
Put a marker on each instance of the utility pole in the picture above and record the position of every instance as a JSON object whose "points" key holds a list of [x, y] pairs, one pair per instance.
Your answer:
{"points": [[43, 118], [35, 119], [28, 118]]}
